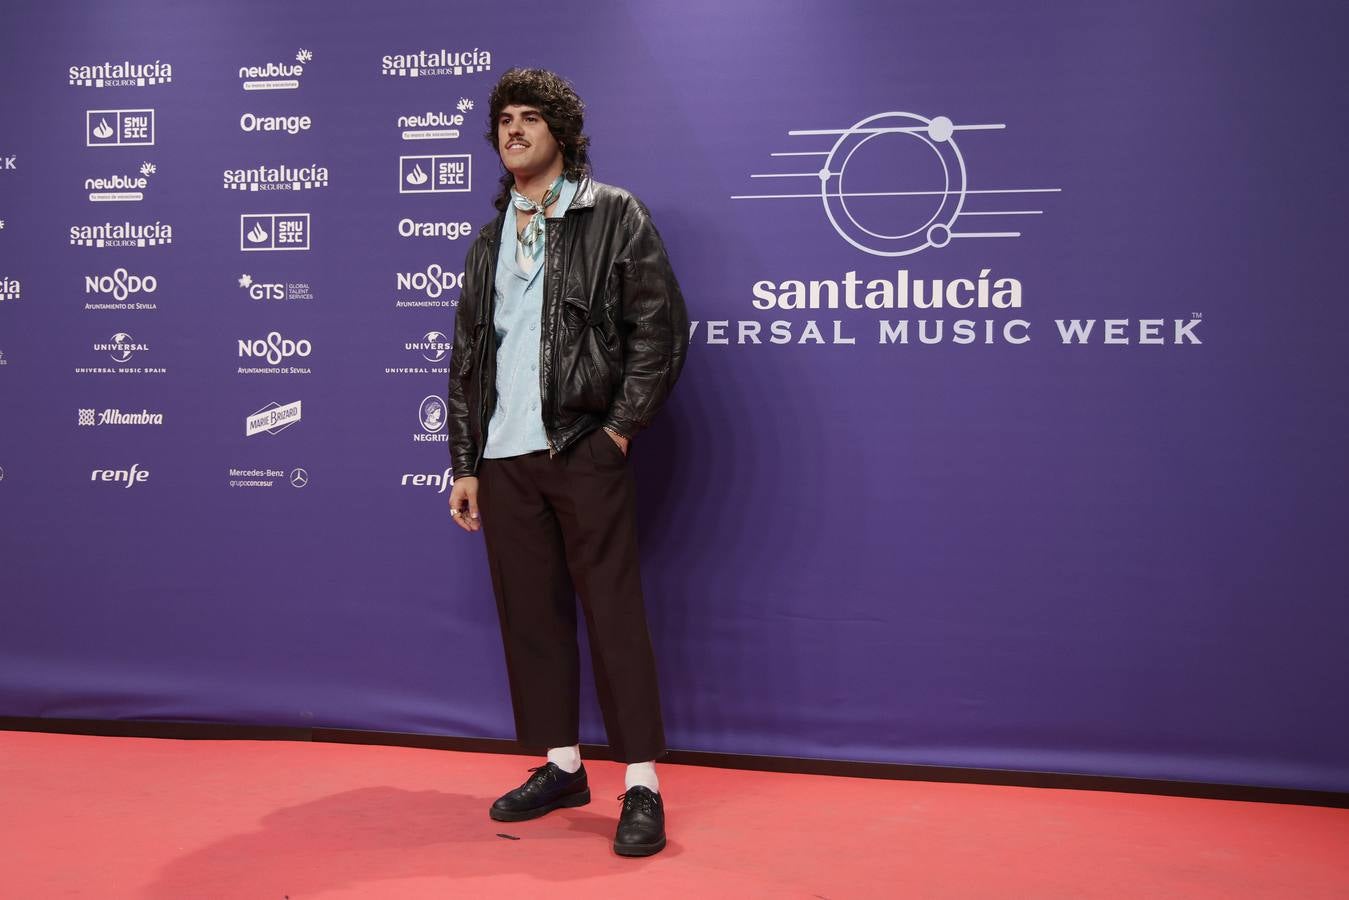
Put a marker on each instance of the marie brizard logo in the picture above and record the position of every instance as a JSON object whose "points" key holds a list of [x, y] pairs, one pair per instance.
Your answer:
{"points": [[895, 183], [273, 418]]}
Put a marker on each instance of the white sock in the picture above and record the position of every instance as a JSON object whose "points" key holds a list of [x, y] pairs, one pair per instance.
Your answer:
{"points": [[568, 759], [643, 773]]}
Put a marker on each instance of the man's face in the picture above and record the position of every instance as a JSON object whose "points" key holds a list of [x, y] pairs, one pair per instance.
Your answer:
{"points": [[526, 145]]}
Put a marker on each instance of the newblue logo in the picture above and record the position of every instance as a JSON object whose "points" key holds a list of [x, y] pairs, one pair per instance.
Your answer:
{"points": [[274, 231], [443, 174], [120, 187], [275, 76], [119, 128], [435, 126]]}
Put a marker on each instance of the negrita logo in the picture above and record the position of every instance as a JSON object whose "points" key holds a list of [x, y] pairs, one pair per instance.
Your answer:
{"points": [[121, 74], [276, 76], [431, 417], [120, 187], [431, 63], [119, 128]]}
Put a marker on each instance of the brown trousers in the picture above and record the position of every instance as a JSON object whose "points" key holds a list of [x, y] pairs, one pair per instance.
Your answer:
{"points": [[555, 527]]}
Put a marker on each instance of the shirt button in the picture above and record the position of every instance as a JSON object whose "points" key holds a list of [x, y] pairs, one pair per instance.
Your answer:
{"points": [[533, 367], [532, 326], [533, 406]]}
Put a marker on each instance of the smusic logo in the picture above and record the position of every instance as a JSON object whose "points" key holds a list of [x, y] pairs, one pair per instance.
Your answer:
{"points": [[119, 128], [274, 231], [121, 74], [444, 174], [275, 76], [428, 63], [276, 178], [120, 187]]}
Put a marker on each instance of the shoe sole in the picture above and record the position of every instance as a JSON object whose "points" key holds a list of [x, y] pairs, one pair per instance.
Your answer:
{"points": [[640, 849], [571, 800]]}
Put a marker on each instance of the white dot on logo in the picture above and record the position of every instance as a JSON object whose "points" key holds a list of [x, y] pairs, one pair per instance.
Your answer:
{"points": [[940, 129]]}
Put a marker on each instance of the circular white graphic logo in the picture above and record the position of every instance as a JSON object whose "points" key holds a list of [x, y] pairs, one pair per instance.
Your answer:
{"points": [[299, 478], [122, 352], [437, 346], [873, 212]]}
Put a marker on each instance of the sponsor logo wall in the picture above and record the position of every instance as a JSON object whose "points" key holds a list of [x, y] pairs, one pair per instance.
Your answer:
{"points": [[1021, 335]]}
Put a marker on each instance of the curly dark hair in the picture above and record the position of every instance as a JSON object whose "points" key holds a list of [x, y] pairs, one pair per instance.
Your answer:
{"points": [[562, 110]]}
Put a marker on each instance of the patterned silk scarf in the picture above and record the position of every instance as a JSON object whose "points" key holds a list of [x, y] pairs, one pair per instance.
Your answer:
{"points": [[531, 239]]}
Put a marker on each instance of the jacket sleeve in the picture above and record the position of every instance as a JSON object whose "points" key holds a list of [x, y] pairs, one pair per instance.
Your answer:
{"points": [[463, 447], [653, 326]]}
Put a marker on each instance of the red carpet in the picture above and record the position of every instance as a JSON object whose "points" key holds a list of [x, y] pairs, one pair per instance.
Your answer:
{"points": [[128, 817]]}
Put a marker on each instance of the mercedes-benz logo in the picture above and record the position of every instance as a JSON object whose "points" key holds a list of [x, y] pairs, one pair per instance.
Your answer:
{"points": [[299, 478]]}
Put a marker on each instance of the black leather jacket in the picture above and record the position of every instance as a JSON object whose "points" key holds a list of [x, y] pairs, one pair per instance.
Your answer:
{"points": [[615, 329]]}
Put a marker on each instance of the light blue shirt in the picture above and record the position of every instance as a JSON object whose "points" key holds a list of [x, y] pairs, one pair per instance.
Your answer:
{"points": [[516, 426]]}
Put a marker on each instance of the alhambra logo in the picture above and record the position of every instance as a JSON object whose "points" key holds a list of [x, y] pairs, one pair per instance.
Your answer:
{"points": [[121, 74], [276, 76], [431, 63], [277, 178], [121, 186]]}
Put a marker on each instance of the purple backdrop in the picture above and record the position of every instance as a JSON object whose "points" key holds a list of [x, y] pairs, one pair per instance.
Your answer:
{"points": [[1116, 558]]}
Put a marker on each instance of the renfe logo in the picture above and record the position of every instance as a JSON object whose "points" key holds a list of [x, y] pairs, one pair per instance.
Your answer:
{"points": [[119, 128], [274, 231], [133, 475], [440, 482]]}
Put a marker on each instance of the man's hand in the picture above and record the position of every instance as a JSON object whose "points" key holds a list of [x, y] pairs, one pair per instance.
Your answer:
{"points": [[618, 439], [464, 503]]}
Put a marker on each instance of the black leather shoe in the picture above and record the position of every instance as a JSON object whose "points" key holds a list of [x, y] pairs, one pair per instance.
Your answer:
{"points": [[641, 827], [549, 788]]}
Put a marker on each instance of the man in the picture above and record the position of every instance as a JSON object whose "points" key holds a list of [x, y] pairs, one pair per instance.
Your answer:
{"points": [[570, 333]]}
